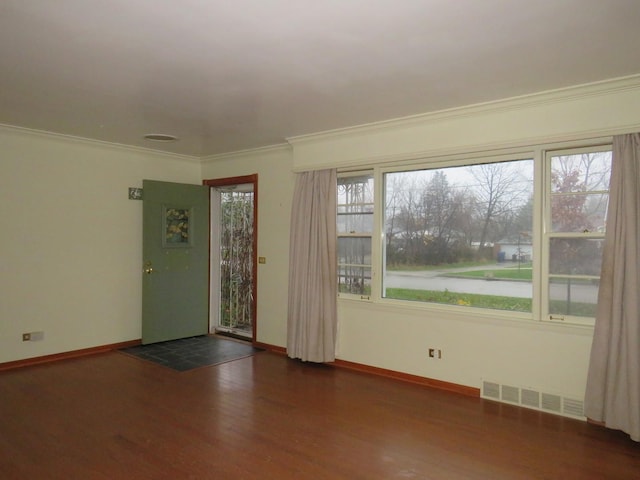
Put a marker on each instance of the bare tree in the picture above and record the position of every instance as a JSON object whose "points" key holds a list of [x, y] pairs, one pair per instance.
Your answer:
{"points": [[427, 219], [411, 218], [393, 189], [444, 208], [432, 216], [498, 192], [593, 169]]}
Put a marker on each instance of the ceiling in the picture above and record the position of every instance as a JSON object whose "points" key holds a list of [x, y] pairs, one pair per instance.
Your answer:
{"points": [[226, 75]]}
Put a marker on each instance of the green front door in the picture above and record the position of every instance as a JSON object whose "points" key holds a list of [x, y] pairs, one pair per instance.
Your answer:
{"points": [[175, 249]]}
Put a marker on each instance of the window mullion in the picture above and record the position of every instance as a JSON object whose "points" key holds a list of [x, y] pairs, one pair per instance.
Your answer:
{"points": [[377, 238], [541, 209]]}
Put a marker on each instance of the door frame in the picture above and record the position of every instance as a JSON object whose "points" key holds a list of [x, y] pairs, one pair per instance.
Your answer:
{"points": [[225, 182]]}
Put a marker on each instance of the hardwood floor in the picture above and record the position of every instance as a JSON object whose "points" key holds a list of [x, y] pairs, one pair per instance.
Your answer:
{"points": [[111, 416]]}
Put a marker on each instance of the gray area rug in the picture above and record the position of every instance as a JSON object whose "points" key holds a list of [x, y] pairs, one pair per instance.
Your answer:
{"points": [[189, 353]]}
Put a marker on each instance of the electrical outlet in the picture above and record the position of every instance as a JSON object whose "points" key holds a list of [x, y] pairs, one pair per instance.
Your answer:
{"points": [[435, 353], [37, 336], [32, 336]]}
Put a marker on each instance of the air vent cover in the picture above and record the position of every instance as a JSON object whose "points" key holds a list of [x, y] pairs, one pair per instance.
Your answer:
{"points": [[533, 398], [510, 394], [551, 402], [530, 398], [572, 407], [491, 390]]}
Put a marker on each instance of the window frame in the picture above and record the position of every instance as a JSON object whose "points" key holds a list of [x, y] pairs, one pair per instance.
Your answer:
{"points": [[460, 160], [541, 211], [548, 234], [354, 234]]}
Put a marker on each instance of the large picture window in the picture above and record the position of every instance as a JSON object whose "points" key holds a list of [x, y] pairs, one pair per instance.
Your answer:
{"points": [[460, 235], [515, 234]]}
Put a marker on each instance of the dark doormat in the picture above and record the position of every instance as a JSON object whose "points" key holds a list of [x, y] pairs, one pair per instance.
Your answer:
{"points": [[188, 353]]}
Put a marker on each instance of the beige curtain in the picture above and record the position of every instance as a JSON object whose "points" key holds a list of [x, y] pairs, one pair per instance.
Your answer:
{"points": [[312, 314], [613, 383]]}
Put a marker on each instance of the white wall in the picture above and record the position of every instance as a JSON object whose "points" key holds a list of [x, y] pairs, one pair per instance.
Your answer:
{"points": [[70, 261], [552, 358], [71, 250]]}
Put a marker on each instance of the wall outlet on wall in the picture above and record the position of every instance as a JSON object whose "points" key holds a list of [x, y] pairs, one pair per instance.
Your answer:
{"points": [[37, 336], [435, 353], [32, 336]]}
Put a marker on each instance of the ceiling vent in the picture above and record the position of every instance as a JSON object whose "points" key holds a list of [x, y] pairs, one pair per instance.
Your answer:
{"points": [[160, 137]]}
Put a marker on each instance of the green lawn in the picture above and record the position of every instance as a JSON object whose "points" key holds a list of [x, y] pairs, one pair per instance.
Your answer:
{"points": [[514, 304], [522, 272], [466, 299], [578, 309]]}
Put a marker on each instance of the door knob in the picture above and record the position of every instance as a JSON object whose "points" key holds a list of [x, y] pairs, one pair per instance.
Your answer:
{"points": [[148, 269]]}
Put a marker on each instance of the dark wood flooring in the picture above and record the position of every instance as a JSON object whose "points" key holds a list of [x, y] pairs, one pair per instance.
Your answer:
{"points": [[111, 416]]}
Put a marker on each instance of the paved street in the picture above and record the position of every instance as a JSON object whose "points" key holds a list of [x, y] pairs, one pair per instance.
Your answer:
{"points": [[434, 280]]}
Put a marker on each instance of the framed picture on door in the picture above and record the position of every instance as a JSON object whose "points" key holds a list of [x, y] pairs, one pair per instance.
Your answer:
{"points": [[176, 227]]}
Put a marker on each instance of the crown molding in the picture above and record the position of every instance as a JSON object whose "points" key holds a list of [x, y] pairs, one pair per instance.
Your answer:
{"points": [[97, 143], [252, 152], [567, 94]]}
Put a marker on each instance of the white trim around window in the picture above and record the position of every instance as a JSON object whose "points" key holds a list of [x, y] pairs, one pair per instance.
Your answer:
{"points": [[536, 253]]}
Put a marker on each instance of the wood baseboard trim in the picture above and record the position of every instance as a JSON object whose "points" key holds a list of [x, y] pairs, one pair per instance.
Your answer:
{"points": [[406, 377], [383, 372], [27, 362], [596, 422], [270, 348]]}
